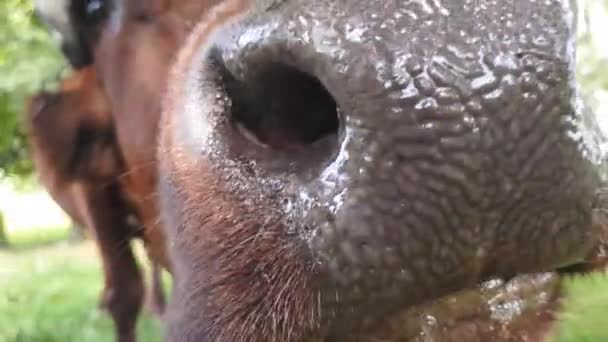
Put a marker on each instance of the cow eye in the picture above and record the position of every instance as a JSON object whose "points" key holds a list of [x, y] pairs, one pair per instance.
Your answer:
{"points": [[94, 10]]}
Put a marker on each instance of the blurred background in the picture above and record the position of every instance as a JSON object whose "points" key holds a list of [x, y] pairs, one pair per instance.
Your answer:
{"points": [[50, 277]]}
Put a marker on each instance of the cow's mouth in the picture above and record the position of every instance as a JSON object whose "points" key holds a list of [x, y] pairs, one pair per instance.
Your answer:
{"points": [[523, 308]]}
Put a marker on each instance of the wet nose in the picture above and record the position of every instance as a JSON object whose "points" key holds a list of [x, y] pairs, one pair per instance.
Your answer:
{"points": [[414, 150], [279, 107]]}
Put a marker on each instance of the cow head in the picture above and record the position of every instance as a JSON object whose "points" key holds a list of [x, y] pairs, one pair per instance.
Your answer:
{"points": [[71, 131], [75, 25]]}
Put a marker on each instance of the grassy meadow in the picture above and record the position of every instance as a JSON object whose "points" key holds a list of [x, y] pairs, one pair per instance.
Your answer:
{"points": [[49, 287]]}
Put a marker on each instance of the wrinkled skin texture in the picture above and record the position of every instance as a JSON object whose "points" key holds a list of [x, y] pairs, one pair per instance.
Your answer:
{"points": [[76, 156], [459, 157]]}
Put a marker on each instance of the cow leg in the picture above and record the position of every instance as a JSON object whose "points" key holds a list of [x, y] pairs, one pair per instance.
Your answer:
{"points": [[124, 290], [156, 296]]}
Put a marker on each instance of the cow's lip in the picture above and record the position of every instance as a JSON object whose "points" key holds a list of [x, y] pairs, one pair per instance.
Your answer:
{"points": [[497, 302], [524, 306]]}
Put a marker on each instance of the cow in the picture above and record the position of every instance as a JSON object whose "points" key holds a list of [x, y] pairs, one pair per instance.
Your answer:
{"points": [[75, 154], [356, 170], [149, 36]]}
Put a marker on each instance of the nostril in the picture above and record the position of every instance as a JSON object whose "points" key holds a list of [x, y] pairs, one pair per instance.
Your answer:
{"points": [[281, 107]]}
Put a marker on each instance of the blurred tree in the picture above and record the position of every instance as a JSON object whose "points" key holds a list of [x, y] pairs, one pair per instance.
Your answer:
{"points": [[592, 53], [27, 58], [3, 237]]}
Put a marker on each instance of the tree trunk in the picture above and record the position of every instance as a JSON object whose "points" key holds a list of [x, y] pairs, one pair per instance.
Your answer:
{"points": [[3, 236]]}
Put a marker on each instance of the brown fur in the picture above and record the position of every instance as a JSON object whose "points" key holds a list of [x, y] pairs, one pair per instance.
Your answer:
{"points": [[55, 122], [72, 140], [135, 80], [57, 135], [254, 284]]}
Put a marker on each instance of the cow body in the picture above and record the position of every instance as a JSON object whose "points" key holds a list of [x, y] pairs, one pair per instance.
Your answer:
{"points": [[72, 137]]}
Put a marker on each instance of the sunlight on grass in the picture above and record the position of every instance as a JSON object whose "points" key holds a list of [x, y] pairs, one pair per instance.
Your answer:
{"points": [[30, 209], [29, 238], [49, 288], [51, 295], [586, 315]]}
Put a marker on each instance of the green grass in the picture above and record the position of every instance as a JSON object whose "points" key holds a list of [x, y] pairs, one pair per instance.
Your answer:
{"points": [[50, 288], [586, 316], [50, 293], [35, 238]]}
